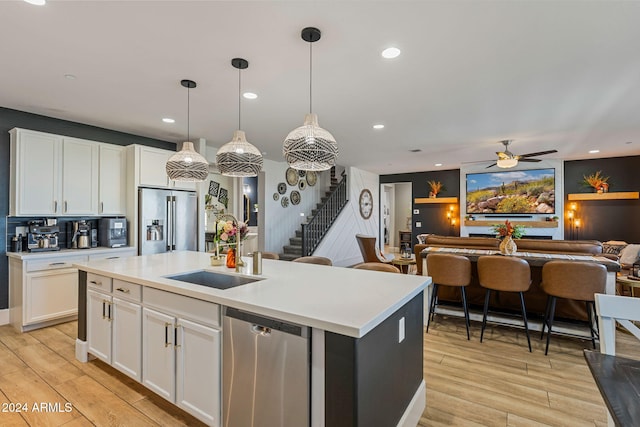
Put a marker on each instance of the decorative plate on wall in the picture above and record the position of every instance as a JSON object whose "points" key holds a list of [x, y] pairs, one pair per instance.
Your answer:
{"points": [[302, 173], [295, 197], [276, 196], [302, 184], [292, 176], [312, 178], [284, 202], [282, 188]]}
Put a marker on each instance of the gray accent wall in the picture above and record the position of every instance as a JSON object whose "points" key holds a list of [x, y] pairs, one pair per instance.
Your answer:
{"points": [[10, 119]]}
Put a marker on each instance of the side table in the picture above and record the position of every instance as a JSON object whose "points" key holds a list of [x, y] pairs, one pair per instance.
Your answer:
{"points": [[404, 264], [632, 284]]}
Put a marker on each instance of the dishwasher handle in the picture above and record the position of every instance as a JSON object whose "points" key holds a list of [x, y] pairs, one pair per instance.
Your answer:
{"points": [[264, 325]]}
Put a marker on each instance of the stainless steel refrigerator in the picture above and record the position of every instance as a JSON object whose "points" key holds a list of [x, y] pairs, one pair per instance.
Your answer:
{"points": [[167, 221]]}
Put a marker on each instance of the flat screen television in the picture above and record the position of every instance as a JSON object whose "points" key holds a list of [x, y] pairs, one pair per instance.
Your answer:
{"points": [[511, 192]]}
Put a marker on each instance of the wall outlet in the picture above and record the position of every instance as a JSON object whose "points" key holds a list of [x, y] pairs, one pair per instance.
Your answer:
{"points": [[416, 211], [401, 330], [418, 224]]}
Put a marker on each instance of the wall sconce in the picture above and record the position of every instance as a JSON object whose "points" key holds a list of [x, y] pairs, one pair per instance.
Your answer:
{"points": [[574, 222], [450, 216]]}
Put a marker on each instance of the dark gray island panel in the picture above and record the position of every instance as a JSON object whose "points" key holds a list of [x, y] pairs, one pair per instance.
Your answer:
{"points": [[370, 380]]}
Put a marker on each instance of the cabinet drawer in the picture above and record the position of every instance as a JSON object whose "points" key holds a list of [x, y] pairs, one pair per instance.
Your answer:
{"points": [[96, 281], [179, 305], [127, 290], [53, 263], [113, 255]]}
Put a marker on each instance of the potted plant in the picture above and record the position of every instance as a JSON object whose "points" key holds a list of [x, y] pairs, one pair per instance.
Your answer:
{"points": [[436, 187], [597, 181]]}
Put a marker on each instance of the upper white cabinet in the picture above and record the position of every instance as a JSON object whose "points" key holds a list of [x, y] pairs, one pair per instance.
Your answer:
{"points": [[36, 168], [113, 180], [152, 169], [58, 175], [79, 177]]}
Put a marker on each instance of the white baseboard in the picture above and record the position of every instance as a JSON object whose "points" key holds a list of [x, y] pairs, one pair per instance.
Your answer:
{"points": [[4, 316], [415, 409]]}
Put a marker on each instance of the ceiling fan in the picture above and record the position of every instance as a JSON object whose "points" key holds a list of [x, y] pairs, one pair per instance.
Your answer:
{"points": [[506, 159]]}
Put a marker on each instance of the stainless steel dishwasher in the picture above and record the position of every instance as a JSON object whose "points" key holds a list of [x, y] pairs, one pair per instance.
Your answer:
{"points": [[266, 371]]}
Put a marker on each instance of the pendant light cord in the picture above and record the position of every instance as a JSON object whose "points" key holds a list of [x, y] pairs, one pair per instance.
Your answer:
{"points": [[310, 76], [239, 96], [188, 113]]}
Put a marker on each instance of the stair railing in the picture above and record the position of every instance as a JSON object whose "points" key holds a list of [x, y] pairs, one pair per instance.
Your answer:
{"points": [[317, 226]]}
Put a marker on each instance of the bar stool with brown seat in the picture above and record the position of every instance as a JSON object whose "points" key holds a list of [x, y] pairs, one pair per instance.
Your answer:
{"points": [[377, 266], [448, 270], [576, 280], [270, 255], [504, 274], [320, 260], [370, 252]]}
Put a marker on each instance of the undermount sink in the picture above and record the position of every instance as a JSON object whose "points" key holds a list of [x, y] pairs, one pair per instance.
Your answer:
{"points": [[212, 280]]}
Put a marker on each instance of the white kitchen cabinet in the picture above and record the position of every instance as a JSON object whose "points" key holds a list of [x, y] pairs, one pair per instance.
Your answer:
{"points": [[36, 168], [51, 295], [113, 180], [152, 170], [114, 324], [79, 177], [181, 358]]}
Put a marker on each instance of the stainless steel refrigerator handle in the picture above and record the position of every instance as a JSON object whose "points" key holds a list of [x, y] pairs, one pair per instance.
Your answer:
{"points": [[169, 223], [174, 225]]}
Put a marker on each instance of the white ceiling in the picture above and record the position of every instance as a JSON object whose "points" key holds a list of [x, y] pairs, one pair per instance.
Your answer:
{"points": [[559, 75]]}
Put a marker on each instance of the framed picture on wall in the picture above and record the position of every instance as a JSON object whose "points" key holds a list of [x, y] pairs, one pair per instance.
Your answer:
{"points": [[214, 188], [223, 197]]}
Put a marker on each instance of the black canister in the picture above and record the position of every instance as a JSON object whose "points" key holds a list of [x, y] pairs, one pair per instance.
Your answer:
{"points": [[16, 244]]}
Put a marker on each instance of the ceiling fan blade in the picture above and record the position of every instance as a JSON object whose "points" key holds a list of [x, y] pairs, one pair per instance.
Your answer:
{"points": [[490, 166], [540, 153], [502, 155], [529, 160]]}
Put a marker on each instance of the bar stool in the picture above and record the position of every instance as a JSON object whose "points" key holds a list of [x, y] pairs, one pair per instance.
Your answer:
{"points": [[270, 255], [320, 260], [377, 266], [576, 280], [449, 270], [504, 274]]}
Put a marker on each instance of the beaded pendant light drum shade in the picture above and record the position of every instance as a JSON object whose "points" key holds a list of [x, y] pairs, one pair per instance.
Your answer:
{"points": [[310, 147], [187, 164], [238, 157]]}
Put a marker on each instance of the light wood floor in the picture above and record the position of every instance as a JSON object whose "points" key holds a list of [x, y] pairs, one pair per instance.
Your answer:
{"points": [[496, 383]]}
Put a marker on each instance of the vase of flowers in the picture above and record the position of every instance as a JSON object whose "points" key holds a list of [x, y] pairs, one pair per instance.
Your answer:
{"points": [[599, 182], [436, 187], [230, 233], [507, 232]]}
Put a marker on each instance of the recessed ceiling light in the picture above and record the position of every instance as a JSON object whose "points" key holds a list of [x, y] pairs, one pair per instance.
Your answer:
{"points": [[250, 95], [438, 164], [594, 151], [36, 2], [168, 120], [391, 52], [379, 126], [70, 76]]}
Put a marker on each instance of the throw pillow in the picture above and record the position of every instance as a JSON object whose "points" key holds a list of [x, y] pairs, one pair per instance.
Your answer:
{"points": [[612, 249], [629, 255]]}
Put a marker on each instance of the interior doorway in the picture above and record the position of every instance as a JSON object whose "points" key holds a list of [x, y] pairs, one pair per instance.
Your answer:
{"points": [[395, 212]]}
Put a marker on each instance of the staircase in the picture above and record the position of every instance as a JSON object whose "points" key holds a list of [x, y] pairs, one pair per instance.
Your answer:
{"points": [[325, 213]]}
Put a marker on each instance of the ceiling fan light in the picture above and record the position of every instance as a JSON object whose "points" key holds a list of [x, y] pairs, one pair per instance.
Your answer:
{"points": [[507, 163], [239, 157], [187, 165], [310, 147]]}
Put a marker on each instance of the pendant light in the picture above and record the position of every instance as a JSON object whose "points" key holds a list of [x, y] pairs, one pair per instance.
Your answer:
{"points": [[239, 157], [187, 164], [310, 147]]}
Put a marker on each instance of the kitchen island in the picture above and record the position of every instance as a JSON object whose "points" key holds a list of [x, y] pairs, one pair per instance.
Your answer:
{"points": [[365, 331]]}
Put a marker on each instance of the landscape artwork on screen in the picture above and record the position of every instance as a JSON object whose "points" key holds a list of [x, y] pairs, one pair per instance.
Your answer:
{"points": [[511, 192]]}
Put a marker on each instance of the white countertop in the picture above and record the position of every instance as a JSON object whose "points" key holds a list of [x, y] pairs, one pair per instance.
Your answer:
{"points": [[342, 300], [67, 252]]}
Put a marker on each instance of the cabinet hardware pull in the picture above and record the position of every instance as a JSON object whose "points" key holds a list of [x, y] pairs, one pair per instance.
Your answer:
{"points": [[113, 257], [109, 312], [104, 316], [101, 207], [55, 206], [65, 206], [175, 336], [93, 281], [126, 291], [56, 263], [166, 334]]}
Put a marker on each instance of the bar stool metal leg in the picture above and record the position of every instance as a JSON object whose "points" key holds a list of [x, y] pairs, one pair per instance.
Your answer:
{"points": [[524, 316], [552, 312], [466, 311], [591, 327], [546, 317], [432, 305], [484, 313]]}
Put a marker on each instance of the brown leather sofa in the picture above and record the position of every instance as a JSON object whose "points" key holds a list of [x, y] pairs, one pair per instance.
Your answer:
{"points": [[535, 297]]}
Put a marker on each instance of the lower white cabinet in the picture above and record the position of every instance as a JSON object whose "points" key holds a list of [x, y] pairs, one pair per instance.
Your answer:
{"points": [[51, 295], [114, 324], [181, 362]]}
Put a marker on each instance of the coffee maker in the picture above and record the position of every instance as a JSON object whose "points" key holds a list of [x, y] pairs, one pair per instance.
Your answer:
{"points": [[42, 237], [112, 232], [79, 233]]}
